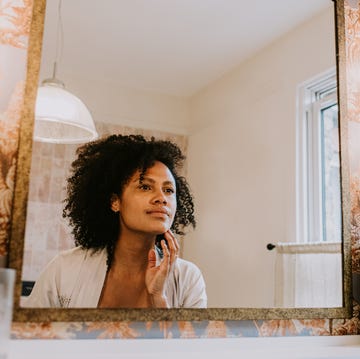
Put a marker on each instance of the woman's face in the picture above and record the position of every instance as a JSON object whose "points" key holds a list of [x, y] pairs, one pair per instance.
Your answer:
{"points": [[148, 206]]}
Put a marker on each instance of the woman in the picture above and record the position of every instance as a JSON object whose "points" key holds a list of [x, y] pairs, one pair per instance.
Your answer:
{"points": [[125, 200]]}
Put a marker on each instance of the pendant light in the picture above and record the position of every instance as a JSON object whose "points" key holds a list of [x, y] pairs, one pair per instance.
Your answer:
{"points": [[60, 116]]}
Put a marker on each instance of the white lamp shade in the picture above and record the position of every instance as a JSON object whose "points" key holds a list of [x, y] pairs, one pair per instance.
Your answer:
{"points": [[61, 117]]}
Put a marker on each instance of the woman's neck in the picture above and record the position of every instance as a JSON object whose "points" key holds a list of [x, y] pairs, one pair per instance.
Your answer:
{"points": [[131, 252]]}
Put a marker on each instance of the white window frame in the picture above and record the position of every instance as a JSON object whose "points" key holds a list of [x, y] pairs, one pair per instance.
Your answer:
{"points": [[309, 201]]}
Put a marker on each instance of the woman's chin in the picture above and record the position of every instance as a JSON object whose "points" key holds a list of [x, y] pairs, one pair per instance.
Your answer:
{"points": [[161, 230]]}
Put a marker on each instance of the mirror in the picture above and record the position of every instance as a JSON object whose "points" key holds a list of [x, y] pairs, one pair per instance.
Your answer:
{"points": [[248, 192]]}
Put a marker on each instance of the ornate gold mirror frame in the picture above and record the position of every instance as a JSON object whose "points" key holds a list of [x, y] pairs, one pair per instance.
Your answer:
{"points": [[218, 314]]}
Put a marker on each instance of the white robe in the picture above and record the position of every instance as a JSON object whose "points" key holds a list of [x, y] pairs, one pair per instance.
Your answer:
{"points": [[75, 278]]}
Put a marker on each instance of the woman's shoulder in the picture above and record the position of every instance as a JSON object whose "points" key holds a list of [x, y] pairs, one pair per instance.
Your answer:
{"points": [[78, 255], [186, 267], [80, 252], [188, 289]]}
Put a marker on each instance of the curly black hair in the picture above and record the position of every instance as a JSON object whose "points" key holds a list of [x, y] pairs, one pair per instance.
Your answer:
{"points": [[101, 169]]}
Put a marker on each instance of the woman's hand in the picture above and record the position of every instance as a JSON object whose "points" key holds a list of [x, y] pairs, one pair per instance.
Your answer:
{"points": [[156, 276]]}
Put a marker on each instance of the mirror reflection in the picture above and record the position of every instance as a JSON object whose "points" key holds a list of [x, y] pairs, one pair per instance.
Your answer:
{"points": [[250, 98]]}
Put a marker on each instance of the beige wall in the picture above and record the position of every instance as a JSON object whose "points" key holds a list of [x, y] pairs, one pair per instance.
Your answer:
{"points": [[242, 164], [111, 103]]}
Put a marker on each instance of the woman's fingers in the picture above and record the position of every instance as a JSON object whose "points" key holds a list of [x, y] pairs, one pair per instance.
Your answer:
{"points": [[151, 259], [166, 257], [173, 246], [155, 277]]}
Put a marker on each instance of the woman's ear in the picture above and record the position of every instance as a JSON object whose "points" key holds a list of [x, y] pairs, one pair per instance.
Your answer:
{"points": [[115, 203]]}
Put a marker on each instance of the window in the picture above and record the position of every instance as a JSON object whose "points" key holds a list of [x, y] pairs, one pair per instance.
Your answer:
{"points": [[318, 161]]}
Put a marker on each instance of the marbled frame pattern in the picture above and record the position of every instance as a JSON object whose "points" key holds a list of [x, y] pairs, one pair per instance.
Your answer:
{"points": [[15, 36]]}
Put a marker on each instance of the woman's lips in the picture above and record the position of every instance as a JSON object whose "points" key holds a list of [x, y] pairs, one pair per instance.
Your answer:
{"points": [[159, 212]]}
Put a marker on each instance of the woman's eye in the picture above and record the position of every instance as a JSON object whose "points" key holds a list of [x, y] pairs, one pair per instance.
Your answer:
{"points": [[145, 187], [169, 190]]}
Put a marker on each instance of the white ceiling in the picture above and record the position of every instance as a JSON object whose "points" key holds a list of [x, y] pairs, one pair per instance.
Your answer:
{"points": [[169, 46]]}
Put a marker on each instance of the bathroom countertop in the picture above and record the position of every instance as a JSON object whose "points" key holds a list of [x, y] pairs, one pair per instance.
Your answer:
{"points": [[344, 347]]}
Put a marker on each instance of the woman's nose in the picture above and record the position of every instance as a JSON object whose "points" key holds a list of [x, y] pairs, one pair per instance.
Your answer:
{"points": [[160, 197]]}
